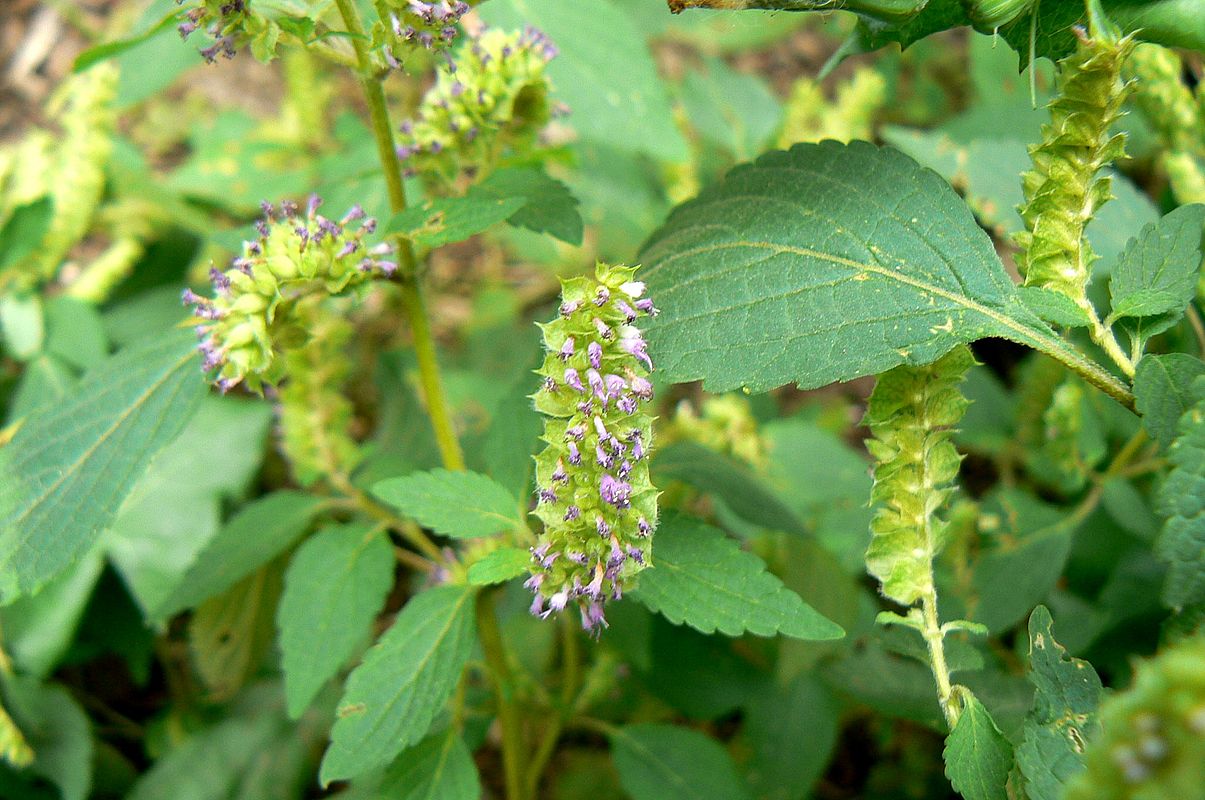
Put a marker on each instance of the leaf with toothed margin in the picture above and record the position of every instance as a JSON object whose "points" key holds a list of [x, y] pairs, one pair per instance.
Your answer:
{"points": [[703, 579], [65, 474], [825, 263]]}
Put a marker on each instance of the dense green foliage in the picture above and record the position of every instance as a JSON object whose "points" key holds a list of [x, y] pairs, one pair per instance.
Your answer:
{"points": [[580, 400]]}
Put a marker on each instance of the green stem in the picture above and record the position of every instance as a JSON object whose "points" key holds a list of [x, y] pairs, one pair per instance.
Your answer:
{"points": [[412, 294], [935, 640], [1096, 375], [504, 684], [570, 672]]}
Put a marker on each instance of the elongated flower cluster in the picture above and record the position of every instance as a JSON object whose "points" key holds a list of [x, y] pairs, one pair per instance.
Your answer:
{"points": [[315, 415], [910, 414], [249, 320], [1062, 191], [595, 499], [1152, 737], [493, 96], [413, 23]]}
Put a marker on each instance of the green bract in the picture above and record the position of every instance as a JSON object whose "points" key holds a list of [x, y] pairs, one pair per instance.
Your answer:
{"points": [[494, 97], [595, 498], [250, 319]]}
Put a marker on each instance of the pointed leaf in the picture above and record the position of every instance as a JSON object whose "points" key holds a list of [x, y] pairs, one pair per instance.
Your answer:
{"points": [[230, 634], [549, 206], [452, 219], [23, 230], [825, 263], [70, 466], [703, 579], [664, 762], [458, 504], [258, 533], [1063, 716], [336, 583], [404, 680], [1163, 392], [978, 757], [1157, 272]]}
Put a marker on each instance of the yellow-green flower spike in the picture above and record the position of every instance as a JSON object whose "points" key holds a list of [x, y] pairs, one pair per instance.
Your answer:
{"points": [[910, 414], [248, 322], [595, 499], [1062, 191], [413, 23], [493, 96]]}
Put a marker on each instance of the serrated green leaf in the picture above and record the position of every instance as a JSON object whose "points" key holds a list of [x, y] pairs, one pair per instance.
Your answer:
{"points": [[703, 579], [664, 762], [335, 585], [1163, 392], [1157, 272], [230, 634], [549, 206], [1063, 716], [735, 484], [439, 767], [261, 531], [824, 263], [603, 71], [404, 680], [499, 566], [452, 219], [978, 757], [68, 469], [22, 232], [1182, 502], [457, 504]]}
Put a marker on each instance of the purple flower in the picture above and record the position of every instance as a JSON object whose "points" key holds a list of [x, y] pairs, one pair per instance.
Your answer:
{"points": [[627, 404], [550, 385], [643, 387], [575, 457], [533, 583], [603, 329], [573, 380], [594, 587], [643, 527], [615, 491], [628, 312], [548, 495], [647, 307], [592, 617], [635, 345], [596, 385], [604, 530], [636, 555], [617, 554], [569, 307], [567, 349], [572, 513], [604, 459], [601, 429], [559, 475], [575, 432], [633, 289], [615, 385], [537, 606], [594, 350], [604, 294]]}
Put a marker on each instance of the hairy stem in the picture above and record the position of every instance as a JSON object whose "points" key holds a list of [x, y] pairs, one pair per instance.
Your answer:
{"points": [[504, 685], [412, 294]]}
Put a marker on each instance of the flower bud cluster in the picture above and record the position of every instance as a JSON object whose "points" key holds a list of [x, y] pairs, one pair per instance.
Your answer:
{"points": [[595, 499], [413, 23], [493, 96], [224, 20], [1152, 735], [245, 326]]}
